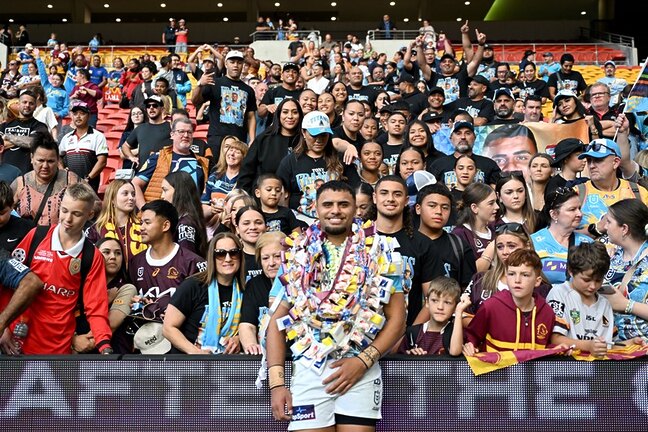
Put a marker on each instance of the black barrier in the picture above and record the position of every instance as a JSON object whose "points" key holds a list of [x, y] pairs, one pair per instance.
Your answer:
{"points": [[178, 393]]}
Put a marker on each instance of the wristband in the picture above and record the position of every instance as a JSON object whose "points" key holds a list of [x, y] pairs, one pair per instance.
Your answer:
{"points": [[369, 356], [276, 376], [629, 306]]}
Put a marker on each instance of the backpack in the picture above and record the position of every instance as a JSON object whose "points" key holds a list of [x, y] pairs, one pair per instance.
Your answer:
{"points": [[87, 256]]}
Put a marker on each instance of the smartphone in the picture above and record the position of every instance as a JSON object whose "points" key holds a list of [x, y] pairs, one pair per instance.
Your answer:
{"points": [[606, 289]]}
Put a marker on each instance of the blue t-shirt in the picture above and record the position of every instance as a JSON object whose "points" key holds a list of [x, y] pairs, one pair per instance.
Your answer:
{"points": [[186, 163], [554, 255], [628, 325], [12, 272], [218, 187], [97, 74]]}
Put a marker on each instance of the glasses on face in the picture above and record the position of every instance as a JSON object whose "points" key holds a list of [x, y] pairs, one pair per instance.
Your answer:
{"points": [[222, 253], [599, 94], [513, 227], [597, 146], [13, 64], [152, 106], [183, 132]]}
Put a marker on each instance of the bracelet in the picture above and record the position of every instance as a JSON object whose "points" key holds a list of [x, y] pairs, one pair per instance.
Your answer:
{"points": [[629, 306], [369, 356], [276, 376], [487, 258]]}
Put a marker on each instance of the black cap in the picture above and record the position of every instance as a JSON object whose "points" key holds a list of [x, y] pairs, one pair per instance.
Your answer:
{"points": [[487, 46], [503, 91], [406, 77], [386, 108], [445, 56], [289, 66], [528, 53], [436, 90], [565, 148], [430, 117], [481, 80]]}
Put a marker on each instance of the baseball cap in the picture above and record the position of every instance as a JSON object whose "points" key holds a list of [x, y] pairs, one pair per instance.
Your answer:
{"points": [[564, 148], [436, 90], [417, 181], [609, 62], [234, 55], [406, 77], [563, 94], [547, 54], [462, 124], [445, 56], [153, 98], [317, 123], [430, 117], [289, 66], [386, 108], [528, 53], [601, 148], [503, 91], [209, 59], [488, 46], [481, 80], [80, 106], [29, 46], [149, 339]]}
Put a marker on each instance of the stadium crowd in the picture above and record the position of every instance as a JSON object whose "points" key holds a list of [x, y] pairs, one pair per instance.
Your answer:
{"points": [[179, 252]]}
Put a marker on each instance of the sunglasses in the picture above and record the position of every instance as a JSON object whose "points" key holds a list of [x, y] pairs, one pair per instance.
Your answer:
{"points": [[560, 192], [513, 227], [507, 174], [222, 253], [152, 106], [597, 146]]}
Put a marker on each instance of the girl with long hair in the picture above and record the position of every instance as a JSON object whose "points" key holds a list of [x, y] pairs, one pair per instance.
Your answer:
{"points": [[250, 225], [418, 135], [118, 219], [513, 199], [540, 171], [204, 314], [179, 189]]}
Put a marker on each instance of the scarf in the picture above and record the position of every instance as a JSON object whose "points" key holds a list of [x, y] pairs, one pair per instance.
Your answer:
{"points": [[216, 331]]}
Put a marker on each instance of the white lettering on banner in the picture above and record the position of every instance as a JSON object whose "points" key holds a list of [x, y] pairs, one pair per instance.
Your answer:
{"points": [[475, 391], [640, 383], [559, 392], [37, 389], [99, 381], [224, 395]]}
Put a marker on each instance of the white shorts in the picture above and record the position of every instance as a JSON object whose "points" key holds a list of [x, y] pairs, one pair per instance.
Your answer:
{"points": [[314, 408]]}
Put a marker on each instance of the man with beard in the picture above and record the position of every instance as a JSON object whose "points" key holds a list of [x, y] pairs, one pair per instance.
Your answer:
{"points": [[463, 140], [224, 118], [71, 76], [17, 134], [274, 96], [356, 90], [503, 103], [476, 103], [150, 136]]}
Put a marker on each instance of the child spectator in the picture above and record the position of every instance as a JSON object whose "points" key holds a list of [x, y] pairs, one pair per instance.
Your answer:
{"points": [[435, 336], [513, 319], [268, 192], [584, 318]]}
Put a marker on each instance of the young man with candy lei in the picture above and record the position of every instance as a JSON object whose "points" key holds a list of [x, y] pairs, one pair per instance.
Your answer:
{"points": [[338, 297]]}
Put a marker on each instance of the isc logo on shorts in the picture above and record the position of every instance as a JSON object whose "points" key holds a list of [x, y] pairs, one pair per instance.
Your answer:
{"points": [[303, 412]]}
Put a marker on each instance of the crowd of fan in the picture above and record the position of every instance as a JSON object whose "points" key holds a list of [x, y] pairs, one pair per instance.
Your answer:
{"points": [[191, 234]]}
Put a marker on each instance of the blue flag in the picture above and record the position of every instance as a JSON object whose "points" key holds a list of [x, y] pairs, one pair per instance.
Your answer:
{"points": [[638, 97]]}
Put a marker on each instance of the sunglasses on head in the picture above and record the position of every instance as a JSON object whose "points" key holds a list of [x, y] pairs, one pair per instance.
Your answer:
{"points": [[222, 253], [510, 227], [597, 146], [506, 174], [561, 191]]}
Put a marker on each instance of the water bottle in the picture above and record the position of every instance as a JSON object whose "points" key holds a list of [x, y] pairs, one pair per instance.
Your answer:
{"points": [[19, 335]]}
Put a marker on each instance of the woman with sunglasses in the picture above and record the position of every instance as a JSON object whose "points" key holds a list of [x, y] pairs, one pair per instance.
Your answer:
{"points": [[626, 224], [477, 209], [509, 237], [204, 313], [250, 224], [513, 199], [562, 213], [254, 312], [540, 172], [269, 148]]}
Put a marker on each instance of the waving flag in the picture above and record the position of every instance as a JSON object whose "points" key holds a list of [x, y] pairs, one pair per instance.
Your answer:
{"points": [[638, 97], [485, 362], [628, 352]]}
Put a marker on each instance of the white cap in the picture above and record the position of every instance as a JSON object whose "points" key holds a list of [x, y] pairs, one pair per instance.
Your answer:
{"points": [[423, 178], [316, 123], [234, 55], [149, 339]]}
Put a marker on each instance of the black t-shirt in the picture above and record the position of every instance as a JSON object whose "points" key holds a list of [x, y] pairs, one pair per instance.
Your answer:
{"points": [[481, 108], [283, 220], [417, 102], [423, 265], [190, 298], [536, 87], [230, 103], [275, 96], [301, 177], [454, 86], [458, 262], [149, 138], [443, 169], [264, 156], [339, 132], [255, 299], [13, 232], [390, 156], [365, 94], [252, 268], [573, 81], [18, 156]]}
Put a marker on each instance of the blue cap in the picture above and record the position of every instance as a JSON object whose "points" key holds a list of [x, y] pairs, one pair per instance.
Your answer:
{"points": [[462, 124], [316, 123], [503, 91], [601, 148]]}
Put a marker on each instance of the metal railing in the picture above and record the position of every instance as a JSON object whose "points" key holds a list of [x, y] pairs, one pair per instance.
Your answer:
{"points": [[393, 34], [287, 35], [614, 38]]}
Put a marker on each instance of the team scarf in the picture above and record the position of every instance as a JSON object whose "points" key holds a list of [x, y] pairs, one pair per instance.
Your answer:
{"points": [[217, 332]]}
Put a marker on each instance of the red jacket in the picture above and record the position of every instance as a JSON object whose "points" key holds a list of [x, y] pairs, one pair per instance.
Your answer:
{"points": [[51, 317], [499, 325], [129, 81]]}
